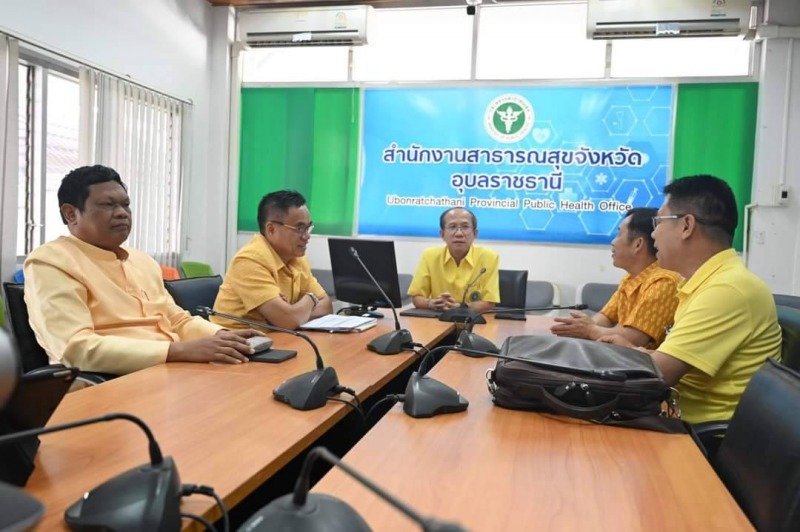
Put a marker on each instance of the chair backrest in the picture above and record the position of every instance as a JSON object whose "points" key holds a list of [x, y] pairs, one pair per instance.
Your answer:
{"points": [[541, 294], [405, 281], [513, 285], [194, 292], [325, 278], [787, 301], [759, 459], [595, 295], [31, 353], [169, 273], [789, 320], [195, 269]]}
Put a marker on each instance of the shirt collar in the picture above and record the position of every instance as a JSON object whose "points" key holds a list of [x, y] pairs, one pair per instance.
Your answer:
{"points": [[706, 270], [274, 254], [468, 258], [97, 253]]}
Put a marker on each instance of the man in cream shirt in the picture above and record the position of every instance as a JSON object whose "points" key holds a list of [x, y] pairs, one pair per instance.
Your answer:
{"points": [[98, 306]]}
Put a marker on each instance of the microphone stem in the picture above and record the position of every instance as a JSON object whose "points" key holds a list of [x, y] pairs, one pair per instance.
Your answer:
{"points": [[271, 328], [301, 488], [470, 320], [380, 288], [155, 451]]}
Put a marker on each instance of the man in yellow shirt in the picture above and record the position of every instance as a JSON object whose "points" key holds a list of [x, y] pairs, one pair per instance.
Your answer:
{"points": [[446, 274], [643, 307], [726, 324], [269, 279], [100, 307]]}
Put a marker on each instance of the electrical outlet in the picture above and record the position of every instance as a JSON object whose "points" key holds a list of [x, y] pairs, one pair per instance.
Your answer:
{"points": [[781, 194]]}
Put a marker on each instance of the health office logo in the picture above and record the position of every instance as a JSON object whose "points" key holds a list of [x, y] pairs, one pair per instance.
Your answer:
{"points": [[508, 118]]}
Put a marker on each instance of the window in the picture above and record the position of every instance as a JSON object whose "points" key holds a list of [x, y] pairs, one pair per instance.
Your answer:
{"points": [[48, 116], [684, 57], [314, 63]]}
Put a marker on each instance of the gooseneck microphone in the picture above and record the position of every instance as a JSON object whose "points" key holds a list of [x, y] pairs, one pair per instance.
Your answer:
{"points": [[143, 498], [462, 312], [427, 397], [469, 340], [302, 511], [393, 342], [306, 391]]}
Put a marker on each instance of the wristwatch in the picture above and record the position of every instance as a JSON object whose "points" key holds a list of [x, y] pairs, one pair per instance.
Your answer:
{"points": [[314, 298]]}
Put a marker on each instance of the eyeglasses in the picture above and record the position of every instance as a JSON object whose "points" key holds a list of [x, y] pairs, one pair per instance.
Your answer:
{"points": [[453, 229], [657, 219], [300, 229]]}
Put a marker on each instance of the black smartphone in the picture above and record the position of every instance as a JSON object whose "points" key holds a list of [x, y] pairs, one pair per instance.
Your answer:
{"points": [[273, 356]]}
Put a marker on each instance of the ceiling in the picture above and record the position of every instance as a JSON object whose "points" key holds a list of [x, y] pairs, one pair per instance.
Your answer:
{"points": [[376, 3]]}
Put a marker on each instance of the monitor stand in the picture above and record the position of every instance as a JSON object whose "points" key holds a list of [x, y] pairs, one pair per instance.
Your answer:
{"points": [[361, 310]]}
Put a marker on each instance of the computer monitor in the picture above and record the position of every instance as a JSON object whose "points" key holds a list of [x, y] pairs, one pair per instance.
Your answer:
{"points": [[352, 284]]}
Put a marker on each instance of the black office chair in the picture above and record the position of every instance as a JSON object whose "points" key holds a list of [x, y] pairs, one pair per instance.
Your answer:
{"points": [[759, 459], [789, 320], [31, 354], [595, 295], [194, 292], [787, 300], [513, 285]]}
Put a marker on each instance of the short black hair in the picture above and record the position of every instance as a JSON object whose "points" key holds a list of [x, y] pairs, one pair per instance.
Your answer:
{"points": [[276, 204], [451, 209], [74, 187], [641, 225], [710, 200]]}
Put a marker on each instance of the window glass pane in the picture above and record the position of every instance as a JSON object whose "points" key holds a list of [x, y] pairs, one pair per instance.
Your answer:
{"points": [[63, 106], [680, 57], [22, 128], [415, 45], [311, 63], [545, 41]]}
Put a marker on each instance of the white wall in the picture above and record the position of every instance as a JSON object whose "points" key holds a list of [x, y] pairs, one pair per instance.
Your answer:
{"points": [[164, 44]]}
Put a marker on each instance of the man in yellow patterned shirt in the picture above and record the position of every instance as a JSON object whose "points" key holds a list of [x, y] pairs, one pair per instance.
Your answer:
{"points": [[644, 304], [445, 273], [269, 279]]}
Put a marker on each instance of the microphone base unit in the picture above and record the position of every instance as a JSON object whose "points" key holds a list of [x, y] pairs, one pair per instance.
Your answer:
{"points": [[392, 343], [461, 315], [427, 397], [18, 510], [519, 316], [476, 342], [320, 513], [144, 498], [309, 390]]}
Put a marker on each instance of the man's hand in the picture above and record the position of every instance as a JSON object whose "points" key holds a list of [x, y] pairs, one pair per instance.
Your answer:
{"points": [[616, 339], [227, 347], [578, 325], [448, 301]]}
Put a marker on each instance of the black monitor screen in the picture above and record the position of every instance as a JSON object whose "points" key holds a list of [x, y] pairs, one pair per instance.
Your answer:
{"points": [[352, 284]]}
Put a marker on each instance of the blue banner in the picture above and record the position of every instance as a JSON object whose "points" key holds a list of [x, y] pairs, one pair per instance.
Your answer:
{"points": [[551, 164]]}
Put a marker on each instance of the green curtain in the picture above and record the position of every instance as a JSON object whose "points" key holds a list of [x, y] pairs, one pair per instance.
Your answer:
{"points": [[715, 133], [304, 139]]}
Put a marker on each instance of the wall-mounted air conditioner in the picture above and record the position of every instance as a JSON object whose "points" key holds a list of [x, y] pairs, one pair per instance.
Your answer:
{"points": [[311, 26], [626, 19]]}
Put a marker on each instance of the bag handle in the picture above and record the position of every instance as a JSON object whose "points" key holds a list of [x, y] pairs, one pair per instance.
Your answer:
{"points": [[590, 413]]}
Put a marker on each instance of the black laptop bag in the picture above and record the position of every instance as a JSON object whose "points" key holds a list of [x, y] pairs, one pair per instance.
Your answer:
{"points": [[593, 381]]}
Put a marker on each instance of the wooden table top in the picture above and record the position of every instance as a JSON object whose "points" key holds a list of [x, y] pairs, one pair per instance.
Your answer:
{"points": [[494, 469], [219, 422]]}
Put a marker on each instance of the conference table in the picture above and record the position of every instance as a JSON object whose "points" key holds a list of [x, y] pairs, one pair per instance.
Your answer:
{"points": [[487, 468], [492, 469], [220, 423]]}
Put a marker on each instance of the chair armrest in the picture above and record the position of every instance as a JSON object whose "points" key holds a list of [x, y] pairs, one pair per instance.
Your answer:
{"points": [[707, 435], [91, 378]]}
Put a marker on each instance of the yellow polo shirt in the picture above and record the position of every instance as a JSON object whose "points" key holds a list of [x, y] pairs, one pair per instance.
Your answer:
{"points": [[257, 275], [646, 302], [92, 310], [725, 328], [437, 273]]}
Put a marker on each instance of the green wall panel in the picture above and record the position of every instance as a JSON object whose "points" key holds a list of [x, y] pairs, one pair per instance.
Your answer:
{"points": [[715, 131], [304, 139]]}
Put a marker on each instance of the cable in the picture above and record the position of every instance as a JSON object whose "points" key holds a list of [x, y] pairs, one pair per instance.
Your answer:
{"points": [[202, 520], [354, 407], [352, 392], [208, 491], [396, 397]]}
